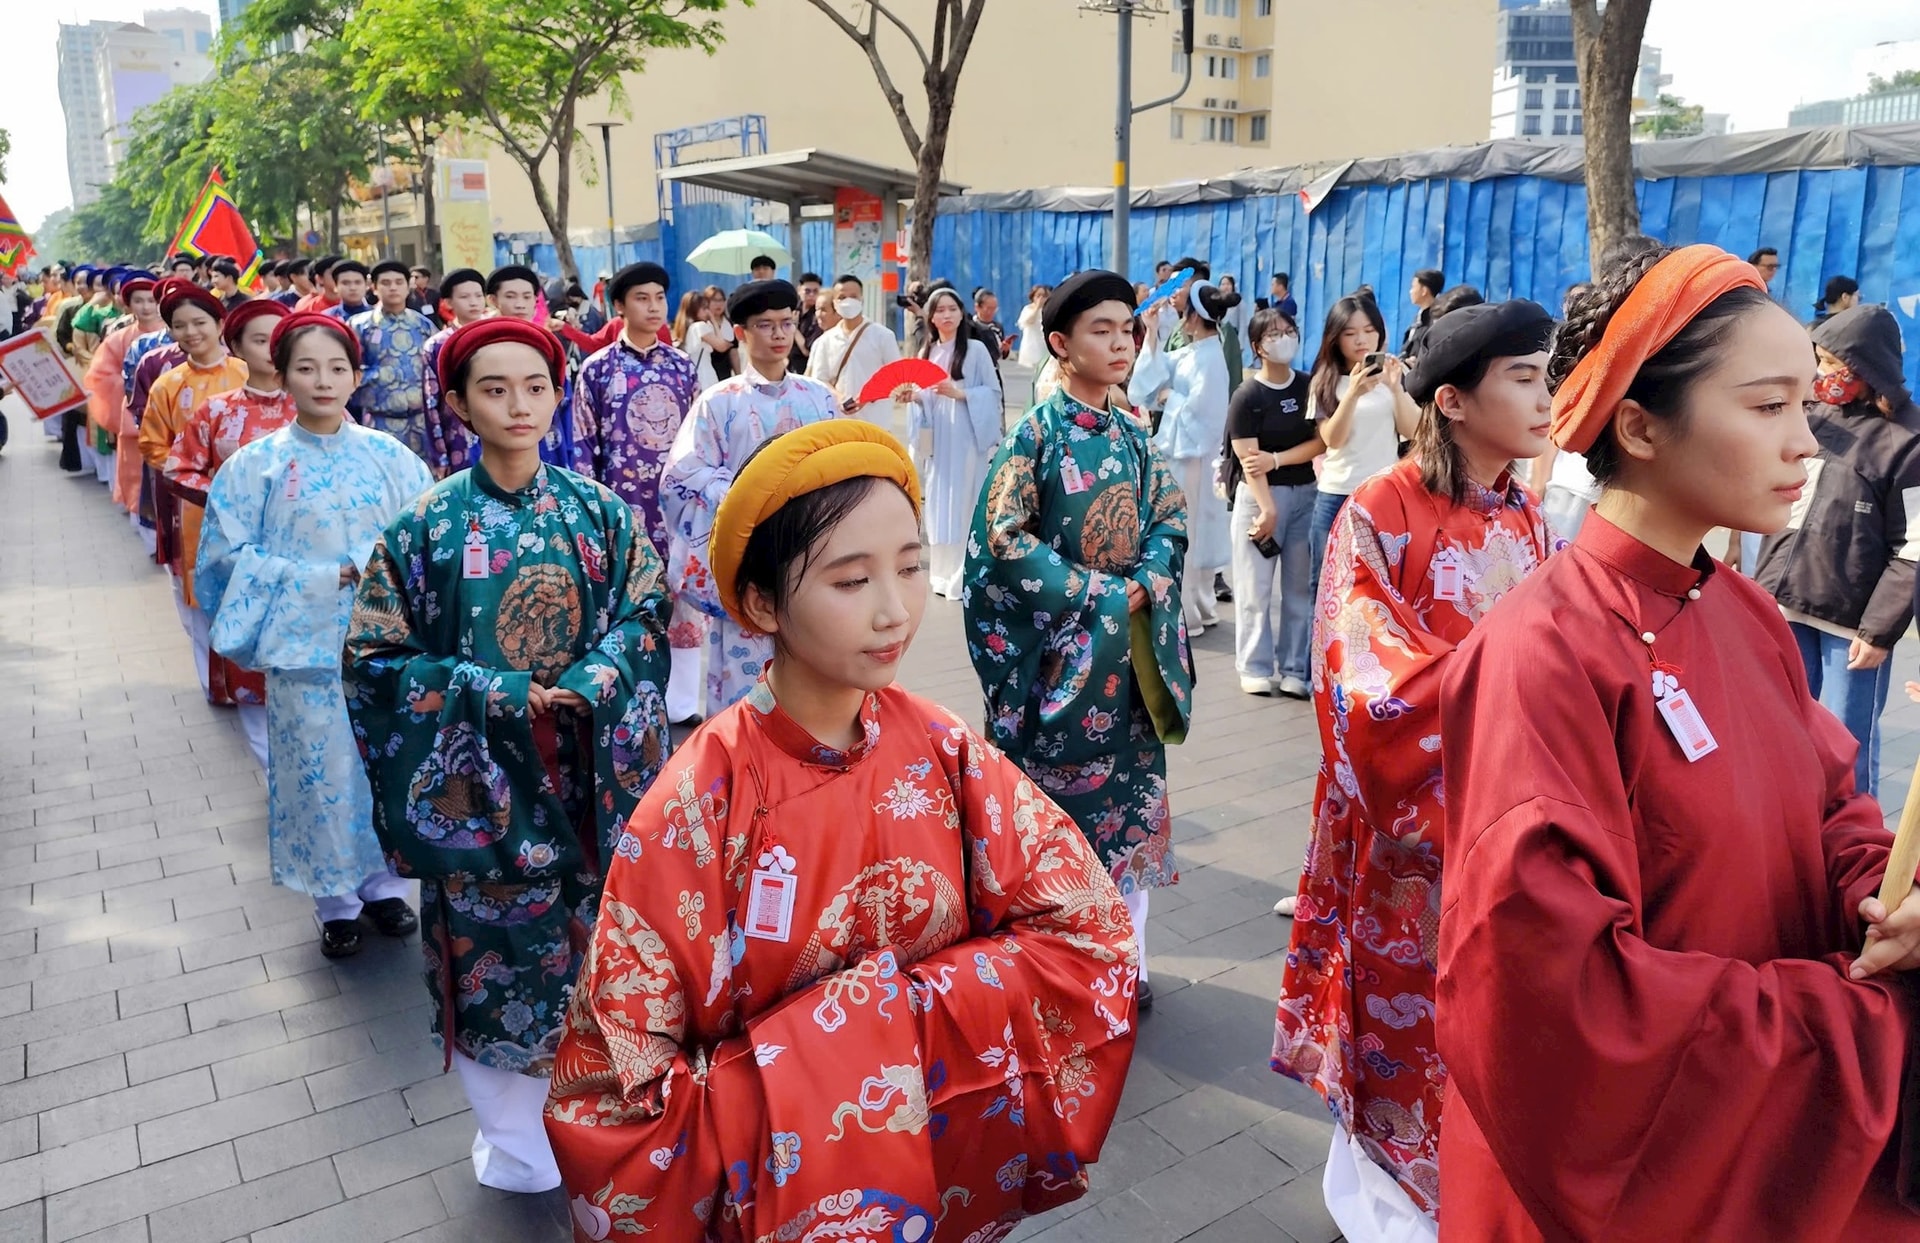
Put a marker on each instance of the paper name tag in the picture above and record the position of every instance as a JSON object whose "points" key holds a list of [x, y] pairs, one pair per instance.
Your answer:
{"points": [[770, 900], [1072, 477], [473, 561], [1684, 723], [1446, 577], [293, 481]]}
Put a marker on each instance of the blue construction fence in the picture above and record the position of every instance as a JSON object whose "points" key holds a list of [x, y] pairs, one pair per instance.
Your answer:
{"points": [[1512, 234], [663, 245]]}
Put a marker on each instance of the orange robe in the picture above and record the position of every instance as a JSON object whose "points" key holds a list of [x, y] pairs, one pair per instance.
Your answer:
{"points": [[107, 407], [1643, 999], [941, 1036]]}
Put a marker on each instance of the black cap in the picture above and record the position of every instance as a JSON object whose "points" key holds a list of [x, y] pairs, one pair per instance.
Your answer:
{"points": [[388, 265], [1460, 343], [757, 297], [512, 272], [349, 265], [461, 276], [1082, 292], [638, 274]]}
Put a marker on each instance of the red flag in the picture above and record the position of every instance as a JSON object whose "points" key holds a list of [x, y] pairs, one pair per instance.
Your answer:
{"points": [[216, 227], [15, 246]]}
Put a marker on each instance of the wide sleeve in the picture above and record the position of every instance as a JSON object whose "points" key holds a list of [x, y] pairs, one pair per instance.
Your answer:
{"points": [[693, 482], [623, 675], [1151, 374], [190, 458], [588, 448], [1889, 609], [984, 404], [1597, 1065], [264, 606], [432, 414], [156, 434], [1379, 689]]}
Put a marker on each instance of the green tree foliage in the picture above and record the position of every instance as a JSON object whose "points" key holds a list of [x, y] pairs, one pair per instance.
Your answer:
{"points": [[1904, 80], [521, 71], [1670, 117]]}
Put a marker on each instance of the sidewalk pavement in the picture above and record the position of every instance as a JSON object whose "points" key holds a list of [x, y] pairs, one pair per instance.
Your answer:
{"points": [[178, 1063]]}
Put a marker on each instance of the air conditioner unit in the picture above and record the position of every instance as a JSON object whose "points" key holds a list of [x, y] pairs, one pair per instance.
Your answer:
{"points": [[1233, 40], [1213, 40], [1209, 103]]}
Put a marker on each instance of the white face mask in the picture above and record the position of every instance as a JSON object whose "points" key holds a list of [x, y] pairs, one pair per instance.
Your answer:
{"points": [[1280, 349], [849, 308]]}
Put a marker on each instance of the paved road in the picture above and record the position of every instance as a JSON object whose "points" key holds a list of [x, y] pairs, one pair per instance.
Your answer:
{"points": [[178, 1063]]}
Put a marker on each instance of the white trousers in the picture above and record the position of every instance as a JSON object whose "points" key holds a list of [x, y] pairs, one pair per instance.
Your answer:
{"points": [[88, 464], [946, 564], [103, 467], [510, 1150], [1367, 1203], [195, 623], [376, 888], [1137, 908], [253, 719], [683, 683]]}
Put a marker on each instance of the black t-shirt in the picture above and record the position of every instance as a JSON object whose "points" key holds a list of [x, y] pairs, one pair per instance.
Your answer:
{"points": [[1277, 418]]}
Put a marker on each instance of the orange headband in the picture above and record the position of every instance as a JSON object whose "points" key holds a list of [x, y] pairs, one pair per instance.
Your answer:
{"points": [[1666, 300], [792, 464]]}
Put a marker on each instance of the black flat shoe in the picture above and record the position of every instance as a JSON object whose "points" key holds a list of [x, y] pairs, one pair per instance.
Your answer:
{"points": [[340, 938], [1144, 995], [393, 917]]}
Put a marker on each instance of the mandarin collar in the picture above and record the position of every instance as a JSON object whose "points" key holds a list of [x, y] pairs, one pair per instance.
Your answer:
{"points": [[486, 484], [1641, 562], [1504, 494], [329, 443], [792, 738], [1081, 415], [759, 382]]}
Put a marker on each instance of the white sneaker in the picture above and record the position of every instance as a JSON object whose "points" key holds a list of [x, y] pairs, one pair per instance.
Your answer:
{"points": [[1294, 688], [1256, 686], [1285, 905]]}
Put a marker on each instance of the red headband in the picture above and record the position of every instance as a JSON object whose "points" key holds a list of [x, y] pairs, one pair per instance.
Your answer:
{"points": [[314, 319], [240, 316], [134, 285], [469, 339], [1666, 300], [176, 293]]}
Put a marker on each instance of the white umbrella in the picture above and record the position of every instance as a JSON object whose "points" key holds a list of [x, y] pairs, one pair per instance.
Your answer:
{"points": [[731, 252]]}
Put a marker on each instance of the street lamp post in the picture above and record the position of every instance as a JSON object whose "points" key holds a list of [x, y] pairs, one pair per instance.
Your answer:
{"points": [[1126, 109], [606, 175]]}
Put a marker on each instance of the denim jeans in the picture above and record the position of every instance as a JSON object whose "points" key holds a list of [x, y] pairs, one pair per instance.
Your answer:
{"points": [[1326, 507], [1264, 585], [1856, 696]]}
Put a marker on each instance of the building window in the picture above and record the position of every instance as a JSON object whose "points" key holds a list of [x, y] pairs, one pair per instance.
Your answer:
{"points": [[1530, 126], [1226, 129], [1263, 8], [1257, 127], [1229, 67], [1212, 130], [1213, 8], [1578, 126], [1560, 126], [1179, 62], [1560, 98], [1229, 8], [1263, 65], [1533, 99], [1179, 125]]}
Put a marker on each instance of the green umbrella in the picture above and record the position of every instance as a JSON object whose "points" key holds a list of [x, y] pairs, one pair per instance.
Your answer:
{"points": [[733, 251]]}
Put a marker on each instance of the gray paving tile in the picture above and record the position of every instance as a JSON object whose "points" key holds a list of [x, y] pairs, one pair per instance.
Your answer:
{"points": [[380, 1073], [182, 934], [205, 1048], [100, 880], [436, 1098], [246, 942], [137, 1193], [322, 1135], [268, 998], [24, 1223], [222, 1120], [18, 962], [105, 977], [58, 1169], [293, 1060], [251, 1206], [1298, 1208], [126, 1107], [58, 1020], [193, 985], [420, 1150], [133, 1033], [387, 1214], [19, 1137]]}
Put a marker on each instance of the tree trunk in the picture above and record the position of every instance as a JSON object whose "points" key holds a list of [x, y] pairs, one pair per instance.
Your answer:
{"points": [[926, 185], [333, 224], [563, 196], [555, 222], [430, 256], [1607, 50]]}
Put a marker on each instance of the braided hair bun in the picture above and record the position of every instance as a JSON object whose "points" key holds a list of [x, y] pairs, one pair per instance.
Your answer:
{"points": [[1661, 385]]}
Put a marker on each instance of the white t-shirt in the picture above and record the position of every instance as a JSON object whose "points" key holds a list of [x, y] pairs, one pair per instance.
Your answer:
{"points": [[1373, 444], [1570, 472], [873, 349]]}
